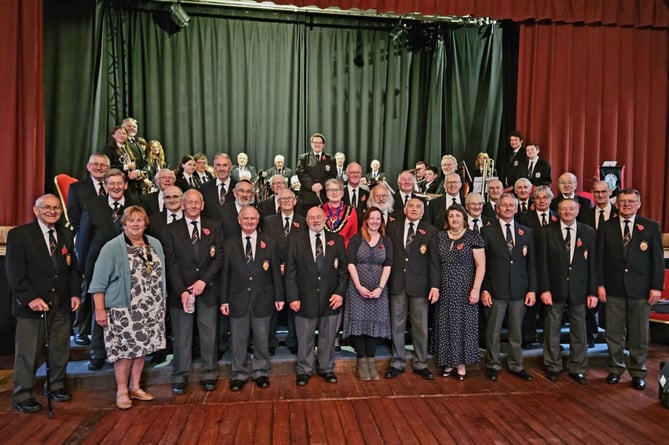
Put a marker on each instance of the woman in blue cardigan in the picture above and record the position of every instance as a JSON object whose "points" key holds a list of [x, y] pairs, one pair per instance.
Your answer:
{"points": [[128, 288]]}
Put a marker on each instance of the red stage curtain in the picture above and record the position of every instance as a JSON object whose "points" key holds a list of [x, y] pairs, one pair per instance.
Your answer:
{"points": [[22, 109], [588, 94], [620, 12]]}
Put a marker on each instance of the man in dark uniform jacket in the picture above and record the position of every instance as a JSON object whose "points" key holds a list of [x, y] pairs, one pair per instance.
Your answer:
{"points": [[279, 168], [154, 202], [509, 285], [509, 170], [567, 281], [537, 170], [83, 191], [316, 281], [44, 279], [411, 287], [313, 169], [406, 189], [630, 273], [567, 183], [354, 194], [194, 256], [438, 206], [251, 292], [270, 206], [217, 193], [229, 212]]}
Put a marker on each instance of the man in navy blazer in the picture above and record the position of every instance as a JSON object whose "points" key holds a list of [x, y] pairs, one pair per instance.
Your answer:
{"points": [[567, 281], [313, 169], [509, 285], [630, 273], [354, 194], [194, 256], [83, 191], [251, 292], [217, 193], [45, 281], [411, 287], [316, 283]]}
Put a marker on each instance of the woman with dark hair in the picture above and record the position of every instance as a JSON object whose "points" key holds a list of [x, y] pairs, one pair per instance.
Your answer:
{"points": [[367, 309], [186, 178], [459, 261], [128, 286], [121, 157]]}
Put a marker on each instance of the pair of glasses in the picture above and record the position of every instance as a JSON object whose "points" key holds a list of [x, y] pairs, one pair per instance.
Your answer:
{"points": [[50, 208], [334, 190]]}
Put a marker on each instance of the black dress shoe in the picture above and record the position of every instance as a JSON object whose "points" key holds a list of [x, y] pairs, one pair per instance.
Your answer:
{"points": [[82, 340], [613, 378], [237, 385], [27, 406], [425, 373], [578, 377], [293, 349], [262, 382], [179, 389], [302, 379], [96, 364], [393, 372], [272, 350], [522, 374], [491, 374], [60, 395], [209, 385], [639, 383], [329, 377], [552, 376]]}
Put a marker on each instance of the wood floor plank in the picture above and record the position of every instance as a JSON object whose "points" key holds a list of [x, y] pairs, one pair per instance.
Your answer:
{"points": [[299, 432], [349, 421], [366, 422], [316, 424], [213, 419], [281, 424]]}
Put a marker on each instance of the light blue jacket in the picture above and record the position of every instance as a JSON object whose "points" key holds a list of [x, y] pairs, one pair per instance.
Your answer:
{"points": [[111, 275]]}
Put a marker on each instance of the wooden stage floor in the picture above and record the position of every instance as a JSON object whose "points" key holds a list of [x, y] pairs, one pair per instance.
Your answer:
{"points": [[406, 410]]}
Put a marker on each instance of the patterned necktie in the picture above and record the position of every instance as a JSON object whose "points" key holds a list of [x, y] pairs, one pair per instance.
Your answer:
{"points": [[319, 250], [567, 242], [286, 227], [410, 235], [101, 190], [354, 199], [249, 252], [476, 225], [601, 219], [52, 244], [627, 237], [544, 221], [509, 238], [196, 180], [221, 194], [195, 238]]}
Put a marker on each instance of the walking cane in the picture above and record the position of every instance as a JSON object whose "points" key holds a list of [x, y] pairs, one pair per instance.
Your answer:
{"points": [[46, 357]]}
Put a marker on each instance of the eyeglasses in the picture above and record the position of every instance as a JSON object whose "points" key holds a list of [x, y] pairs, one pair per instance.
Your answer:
{"points": [[334, 190], [599, 192], [627, 201], [172, 197], [97, 164], [50, 208]]}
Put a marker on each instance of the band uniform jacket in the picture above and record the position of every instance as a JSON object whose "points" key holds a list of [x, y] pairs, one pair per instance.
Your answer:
{"points": [[212, 206], [568, 281], [589, 216], [272, 226], [410, 271], [185, 266], [78, 195], [310, 171], [32, 273], [306, 283], [257, 286], [643, 268], [509, 275]]}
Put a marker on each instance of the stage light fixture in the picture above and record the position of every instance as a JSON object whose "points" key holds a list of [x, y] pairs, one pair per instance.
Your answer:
{"points": [[179, 15]]}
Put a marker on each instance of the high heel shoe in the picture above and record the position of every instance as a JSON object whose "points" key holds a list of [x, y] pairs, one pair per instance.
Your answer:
{"points": [[461, 373]]}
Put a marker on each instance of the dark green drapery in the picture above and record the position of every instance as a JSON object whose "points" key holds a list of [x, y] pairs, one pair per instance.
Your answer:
{"points": [[262, 83]]}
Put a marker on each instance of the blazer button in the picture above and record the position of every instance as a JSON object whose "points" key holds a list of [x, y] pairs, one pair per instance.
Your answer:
{"points": [[406, 260], [511, 262], [197, 269], [627, 270], [250, 278], [53, 289], [248, 289]]}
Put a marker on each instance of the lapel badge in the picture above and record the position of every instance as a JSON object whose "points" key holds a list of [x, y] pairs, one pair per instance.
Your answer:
{"points": [[265, 265], [423, 249], [643, 246], [212, 251], [327, 167], [336, 263], [68, 259], [524, 250], [585, 255]]}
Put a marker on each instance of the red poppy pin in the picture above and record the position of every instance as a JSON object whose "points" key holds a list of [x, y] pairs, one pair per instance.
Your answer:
{"points": [[579, 243], [63, 251], [421, 231], [532, 208], [331, 243], [521, 232], [296, 224], [262, 244], [206, 231], [382, 247], [553, 218], [460, 246], [363, 198], [391, 219], [639, 227]]}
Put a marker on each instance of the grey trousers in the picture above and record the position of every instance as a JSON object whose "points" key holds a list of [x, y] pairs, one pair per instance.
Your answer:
{"points": [[417, 308], [306, 331], [627, 318], [578, 343], [182, 329], [240, 330], [514, 311]]}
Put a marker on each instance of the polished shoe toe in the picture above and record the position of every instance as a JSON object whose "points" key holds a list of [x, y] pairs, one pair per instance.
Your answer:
{"points": [[639, 383], [140, 394], [82, 340], [613, 378], [578, 377], [522, 374], [209, 385], [262, 382], [237, 385], [552, 376], [424, 373], [492, 374], [329, 377], [302, 379], [27, 406], [96, 364], [60, 395], [393, 372], [179, 389]]}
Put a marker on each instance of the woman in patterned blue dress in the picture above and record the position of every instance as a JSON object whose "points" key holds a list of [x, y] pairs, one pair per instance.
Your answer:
{"points": [[461, 261], [128, 286], [367, 308]]}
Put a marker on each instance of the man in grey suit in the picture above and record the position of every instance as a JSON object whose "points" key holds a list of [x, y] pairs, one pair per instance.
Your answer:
{"points": [[251, 291], [630, 274], [567, 281], [509, 285], [412, 287], [316, 280]]}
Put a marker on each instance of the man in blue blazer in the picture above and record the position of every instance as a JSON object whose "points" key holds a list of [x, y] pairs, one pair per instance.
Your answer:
{"points": [[509, 285], [316, 282], [44, 279], [630, 273]]}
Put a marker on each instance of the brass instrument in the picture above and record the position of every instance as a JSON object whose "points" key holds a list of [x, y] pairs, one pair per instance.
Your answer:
{"points": [[428, 196], [261, 188], [487, 174]]}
